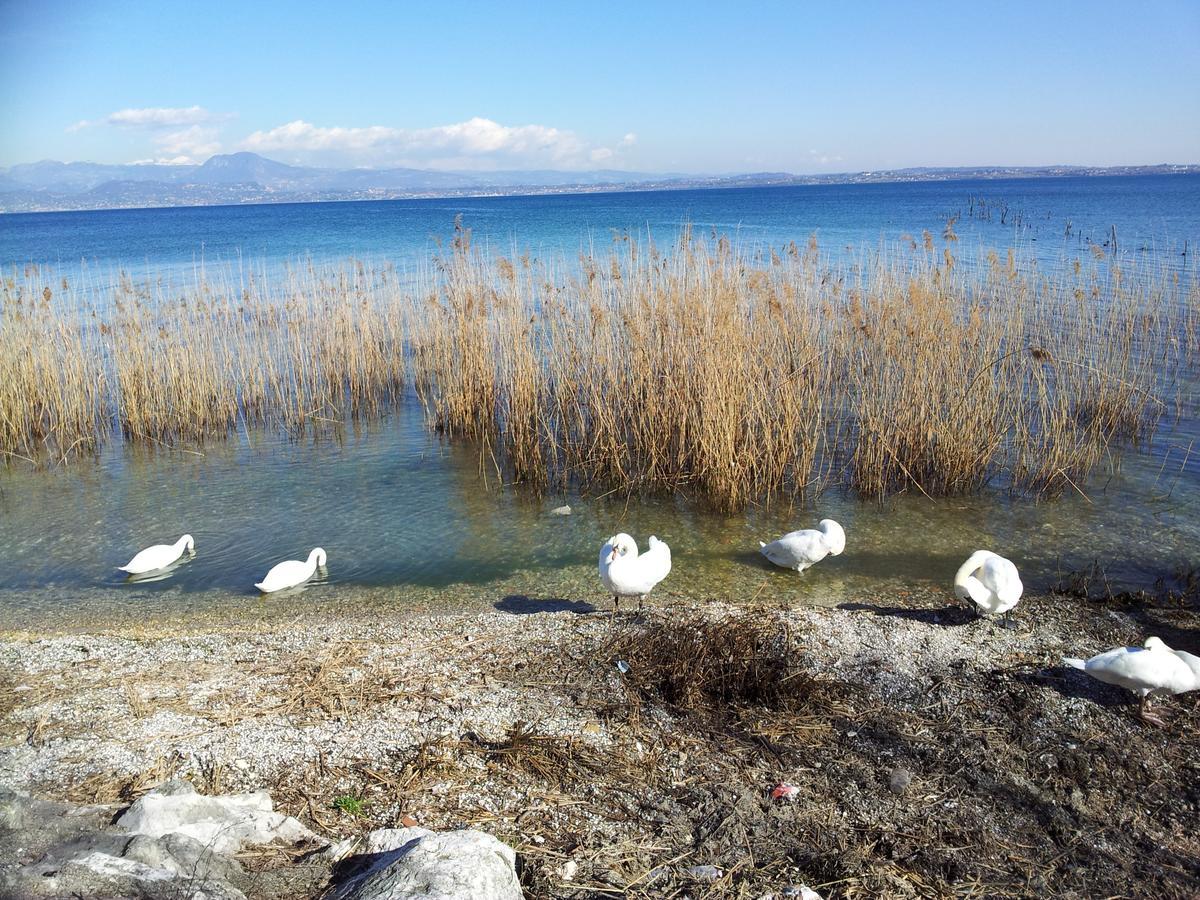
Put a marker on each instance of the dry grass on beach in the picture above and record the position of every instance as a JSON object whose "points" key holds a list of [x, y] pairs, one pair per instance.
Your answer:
{"points": [[730, 376], [932, 755]]}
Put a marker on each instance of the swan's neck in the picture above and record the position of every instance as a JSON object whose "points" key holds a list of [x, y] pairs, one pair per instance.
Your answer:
{"points": [[963, 577]]}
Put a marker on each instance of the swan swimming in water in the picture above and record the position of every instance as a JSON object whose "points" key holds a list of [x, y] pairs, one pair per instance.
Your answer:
{"points": [[801, 549], [990, 582], [159, 556], [626, 574], [1153, 668], [292, 572]]}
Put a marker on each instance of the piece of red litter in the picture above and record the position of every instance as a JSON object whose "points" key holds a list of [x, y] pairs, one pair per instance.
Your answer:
{"points": [[785, 791]]}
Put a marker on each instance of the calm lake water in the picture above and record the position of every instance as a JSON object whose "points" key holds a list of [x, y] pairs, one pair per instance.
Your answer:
{"points": [[410, 521]]}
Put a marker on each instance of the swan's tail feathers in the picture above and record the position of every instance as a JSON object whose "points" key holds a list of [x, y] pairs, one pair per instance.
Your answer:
{"points": [[1074, 663], [262, 586], [124, 569], [761, 545]]}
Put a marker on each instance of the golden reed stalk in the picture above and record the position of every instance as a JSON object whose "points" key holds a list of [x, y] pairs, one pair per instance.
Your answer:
{"points": [[726, 375]]}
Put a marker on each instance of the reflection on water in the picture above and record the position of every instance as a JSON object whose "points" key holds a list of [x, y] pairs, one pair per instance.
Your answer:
{"points": [[408, 521]]}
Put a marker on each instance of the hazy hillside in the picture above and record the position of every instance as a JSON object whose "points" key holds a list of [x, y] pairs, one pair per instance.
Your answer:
{"points": [[249, 178]]}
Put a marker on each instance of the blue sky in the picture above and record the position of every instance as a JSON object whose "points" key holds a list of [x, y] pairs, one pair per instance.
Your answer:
{"points": [[687, 87]]}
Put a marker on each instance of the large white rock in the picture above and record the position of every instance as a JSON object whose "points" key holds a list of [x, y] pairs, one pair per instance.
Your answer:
{"points": [[224, 824], [410, 863]]}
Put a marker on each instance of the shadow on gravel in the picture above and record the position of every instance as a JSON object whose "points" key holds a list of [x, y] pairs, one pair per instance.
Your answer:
{"points": [[1072, 683], [521, 605], [949, 616]]}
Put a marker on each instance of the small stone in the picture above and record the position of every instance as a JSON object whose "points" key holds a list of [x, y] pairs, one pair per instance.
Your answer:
{"points": [[899, 780], [705, 873], [568, 870], [561, 511]]}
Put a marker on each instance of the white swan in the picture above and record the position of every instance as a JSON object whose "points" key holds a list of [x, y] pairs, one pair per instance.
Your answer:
{"points": [[626, 574], [800, 549], [292, 573], [159, 556], [1192, 662], [1151, 669], [990, 582]]}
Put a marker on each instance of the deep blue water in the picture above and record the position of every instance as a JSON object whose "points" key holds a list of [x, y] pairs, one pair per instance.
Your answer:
{"points": [[1154, 216]]}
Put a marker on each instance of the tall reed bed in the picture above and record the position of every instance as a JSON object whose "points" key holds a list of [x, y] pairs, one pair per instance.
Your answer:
{"points": [[735, 377], [176, 367], [739, 378]]}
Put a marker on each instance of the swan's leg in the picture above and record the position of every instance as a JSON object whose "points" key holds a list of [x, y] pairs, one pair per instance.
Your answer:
{"points": [[1147, 716], [641, 601], [616, 605]]}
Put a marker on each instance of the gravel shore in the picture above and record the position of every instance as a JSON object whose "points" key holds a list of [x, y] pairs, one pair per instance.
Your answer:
{"points": [[927, 753]]}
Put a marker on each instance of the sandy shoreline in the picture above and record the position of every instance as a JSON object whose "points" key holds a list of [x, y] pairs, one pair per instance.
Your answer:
{"points": [[932, 754]]}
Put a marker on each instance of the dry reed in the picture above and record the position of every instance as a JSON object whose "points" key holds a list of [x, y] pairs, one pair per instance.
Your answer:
{"points": [[170, 369], [736, 378], [730, 376]]}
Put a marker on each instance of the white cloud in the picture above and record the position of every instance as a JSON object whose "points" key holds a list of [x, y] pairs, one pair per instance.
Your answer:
{"points": [[477, 143], [153, 117], [198, 141], [180, 135], [160, 116], [165, 161], [300, 135]]}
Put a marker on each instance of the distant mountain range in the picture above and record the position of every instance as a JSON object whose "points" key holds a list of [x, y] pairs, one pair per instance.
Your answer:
{"points": [[249, 178]]}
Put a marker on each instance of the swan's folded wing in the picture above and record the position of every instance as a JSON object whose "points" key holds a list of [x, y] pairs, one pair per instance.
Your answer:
{"points": [[656, 561], [797, 547]]}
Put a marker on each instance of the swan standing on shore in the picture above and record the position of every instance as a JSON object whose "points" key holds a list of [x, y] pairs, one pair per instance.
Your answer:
{"points": [[800, 549], [1150, 669], [990, 582], [159, 556], [292, 573], [626, 574]]}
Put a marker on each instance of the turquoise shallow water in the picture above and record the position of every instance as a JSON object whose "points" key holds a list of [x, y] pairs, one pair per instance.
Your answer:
{"points": [[409, 521]]}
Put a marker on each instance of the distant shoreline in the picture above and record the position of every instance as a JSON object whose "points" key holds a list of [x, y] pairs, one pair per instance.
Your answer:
{"points": [[189, 195]]}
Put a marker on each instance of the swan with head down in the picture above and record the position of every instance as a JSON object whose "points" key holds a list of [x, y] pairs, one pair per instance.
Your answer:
{"points": [[1153, 668], [800, 550], [989, 582], [159, 556], [625, 573], [292, 572]]}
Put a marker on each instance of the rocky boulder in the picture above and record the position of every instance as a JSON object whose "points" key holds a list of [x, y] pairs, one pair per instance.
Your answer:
{"points": [[170, 844], [410, 863], [225, 824]]}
